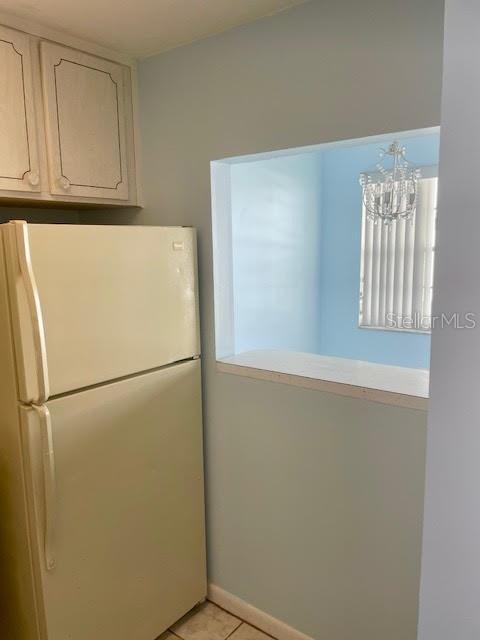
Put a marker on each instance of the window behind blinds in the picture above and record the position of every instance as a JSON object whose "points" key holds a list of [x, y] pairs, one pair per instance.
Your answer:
{"points": [[396, 277]]}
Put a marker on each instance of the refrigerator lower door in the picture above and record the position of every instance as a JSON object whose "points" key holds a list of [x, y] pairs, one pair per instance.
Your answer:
{"points": [[115, 477]]}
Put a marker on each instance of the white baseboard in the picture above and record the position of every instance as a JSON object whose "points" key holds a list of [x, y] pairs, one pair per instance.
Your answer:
{"points": [[252, 615]]}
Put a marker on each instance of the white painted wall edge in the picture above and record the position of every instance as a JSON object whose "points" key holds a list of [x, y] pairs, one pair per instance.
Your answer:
{"points": [[325, 146], [256, 617], [222, 259]]}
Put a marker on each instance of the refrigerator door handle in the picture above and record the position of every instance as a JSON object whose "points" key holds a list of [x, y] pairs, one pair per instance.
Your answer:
{"points": [[35, 309], [49, 483]]}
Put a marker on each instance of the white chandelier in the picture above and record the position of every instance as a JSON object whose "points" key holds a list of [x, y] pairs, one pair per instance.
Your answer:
{"points": [[390, 194]]}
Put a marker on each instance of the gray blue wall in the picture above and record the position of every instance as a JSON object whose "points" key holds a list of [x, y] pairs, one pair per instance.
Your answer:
{"points": [[314, 501]]}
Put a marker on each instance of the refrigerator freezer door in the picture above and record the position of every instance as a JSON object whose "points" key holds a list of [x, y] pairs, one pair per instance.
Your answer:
{"points": [[121, 553], [99, 302]]}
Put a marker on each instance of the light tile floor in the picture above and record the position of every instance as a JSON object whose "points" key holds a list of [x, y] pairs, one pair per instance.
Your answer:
{"points": [[209, 622]]}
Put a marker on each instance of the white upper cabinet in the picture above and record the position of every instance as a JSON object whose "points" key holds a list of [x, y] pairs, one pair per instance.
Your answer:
{"points": [[85, 124], [67, 119], [19, 169]]}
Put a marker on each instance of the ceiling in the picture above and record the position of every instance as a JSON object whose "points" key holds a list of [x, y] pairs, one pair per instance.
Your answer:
{"points": [[143, 27]]}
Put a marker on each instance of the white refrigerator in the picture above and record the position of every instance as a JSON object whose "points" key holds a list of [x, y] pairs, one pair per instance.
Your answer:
{"points": [[101, 466]]}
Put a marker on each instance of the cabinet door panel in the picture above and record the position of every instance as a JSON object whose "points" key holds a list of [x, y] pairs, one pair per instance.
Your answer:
{"points": [[19, 169], [85, 123]]}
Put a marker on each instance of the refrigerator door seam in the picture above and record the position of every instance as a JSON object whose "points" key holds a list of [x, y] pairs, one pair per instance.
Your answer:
{"points": [[135, 374]]}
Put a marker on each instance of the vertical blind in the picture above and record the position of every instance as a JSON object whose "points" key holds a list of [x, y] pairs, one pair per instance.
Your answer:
{"points": [[396, 278]]}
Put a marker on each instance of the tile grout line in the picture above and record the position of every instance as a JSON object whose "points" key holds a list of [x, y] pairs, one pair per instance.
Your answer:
{"points": [[241, 621]]}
